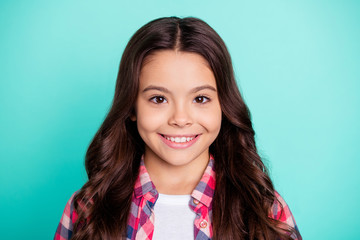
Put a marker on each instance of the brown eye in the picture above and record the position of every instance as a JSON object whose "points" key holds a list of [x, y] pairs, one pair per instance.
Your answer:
{"points": [[158, 99], [201, 99]]}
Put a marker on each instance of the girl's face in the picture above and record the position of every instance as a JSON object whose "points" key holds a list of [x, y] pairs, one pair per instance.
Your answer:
{"points": [[178, 112]]}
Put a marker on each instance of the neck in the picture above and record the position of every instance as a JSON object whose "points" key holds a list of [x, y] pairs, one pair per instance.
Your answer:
{"points": [[175, 179]]}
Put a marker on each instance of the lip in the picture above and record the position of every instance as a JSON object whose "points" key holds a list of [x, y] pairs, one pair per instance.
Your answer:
{"points": [[179, 145]]}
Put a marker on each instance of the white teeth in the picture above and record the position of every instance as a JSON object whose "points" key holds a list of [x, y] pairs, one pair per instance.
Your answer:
{"points": [[179, 139]]}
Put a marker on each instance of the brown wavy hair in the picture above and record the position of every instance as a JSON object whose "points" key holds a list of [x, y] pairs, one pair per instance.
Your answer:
{"points": [[244, 193]]}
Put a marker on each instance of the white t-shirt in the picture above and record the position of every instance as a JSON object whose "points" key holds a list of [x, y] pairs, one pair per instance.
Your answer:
{"points": [[173, 218]]}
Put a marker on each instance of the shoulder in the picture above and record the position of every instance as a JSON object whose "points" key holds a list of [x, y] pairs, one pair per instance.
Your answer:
{"points": [[280, 211], [68, 218]]}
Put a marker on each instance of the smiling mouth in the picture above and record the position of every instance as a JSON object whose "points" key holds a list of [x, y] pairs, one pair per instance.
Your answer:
{"points": [[179, 139]]}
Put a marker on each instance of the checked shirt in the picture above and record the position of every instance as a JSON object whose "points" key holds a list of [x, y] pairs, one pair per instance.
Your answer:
{"points": [[141, 217]]}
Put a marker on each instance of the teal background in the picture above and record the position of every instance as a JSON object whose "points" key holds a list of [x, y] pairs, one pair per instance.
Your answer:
{"points": [[297, 64]]}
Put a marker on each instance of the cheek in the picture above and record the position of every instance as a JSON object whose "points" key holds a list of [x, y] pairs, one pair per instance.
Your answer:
{"points": [[214, 125], [147, 120], [212, 120]]}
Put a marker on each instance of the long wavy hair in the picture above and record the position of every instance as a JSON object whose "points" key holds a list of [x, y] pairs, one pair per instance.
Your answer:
{"points": [[244, 193]]}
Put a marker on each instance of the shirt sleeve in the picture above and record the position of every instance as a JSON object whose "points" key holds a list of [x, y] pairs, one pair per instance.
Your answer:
{"points": [[280, 211], [65, 228]]}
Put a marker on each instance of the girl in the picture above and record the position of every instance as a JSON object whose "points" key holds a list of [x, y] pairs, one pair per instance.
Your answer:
{"points": [[175, 157]]}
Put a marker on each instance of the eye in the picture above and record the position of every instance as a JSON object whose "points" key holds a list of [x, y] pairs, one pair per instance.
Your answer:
{"points": [[158, 99], [201, 99]]}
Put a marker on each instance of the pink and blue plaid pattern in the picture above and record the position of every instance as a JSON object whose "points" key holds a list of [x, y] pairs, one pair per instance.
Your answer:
{"points": [[281, 211], [141, 218], [66, 225]]}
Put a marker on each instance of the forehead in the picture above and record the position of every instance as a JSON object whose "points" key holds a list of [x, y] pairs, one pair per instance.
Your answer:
{"points": [[174, 55], [178, 68]]}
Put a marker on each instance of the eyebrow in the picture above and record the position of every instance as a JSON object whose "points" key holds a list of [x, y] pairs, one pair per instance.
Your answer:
{"points": [[197, 89], [165, 90]]}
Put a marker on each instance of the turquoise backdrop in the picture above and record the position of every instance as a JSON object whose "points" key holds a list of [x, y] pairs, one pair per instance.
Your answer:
{"points": [[297, 64]]}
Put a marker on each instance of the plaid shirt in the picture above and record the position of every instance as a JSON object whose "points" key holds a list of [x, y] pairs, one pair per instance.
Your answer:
{"points": [[141, 218]]}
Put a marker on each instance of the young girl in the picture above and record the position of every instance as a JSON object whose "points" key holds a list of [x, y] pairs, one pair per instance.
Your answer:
{"points": [[175, 157]]}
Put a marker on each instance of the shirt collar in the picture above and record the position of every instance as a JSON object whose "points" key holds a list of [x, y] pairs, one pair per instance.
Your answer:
{"points": [[203, 192], [143, 183]]}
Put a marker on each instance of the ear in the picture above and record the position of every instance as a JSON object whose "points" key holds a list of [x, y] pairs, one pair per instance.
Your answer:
{"points": [[133, 115]]}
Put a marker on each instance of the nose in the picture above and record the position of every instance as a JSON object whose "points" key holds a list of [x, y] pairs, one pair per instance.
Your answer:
{"points": [[181, 116]]}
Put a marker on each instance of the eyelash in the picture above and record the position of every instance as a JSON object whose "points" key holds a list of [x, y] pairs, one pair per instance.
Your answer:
{"points": [[155, 99], [203, 97]]}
